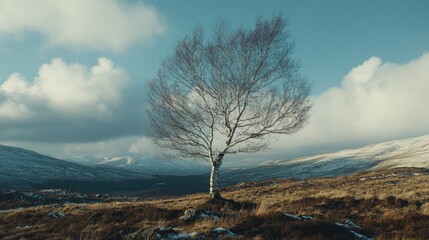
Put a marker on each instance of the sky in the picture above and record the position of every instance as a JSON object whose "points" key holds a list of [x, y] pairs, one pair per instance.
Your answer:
{"points": [[73, 73]]}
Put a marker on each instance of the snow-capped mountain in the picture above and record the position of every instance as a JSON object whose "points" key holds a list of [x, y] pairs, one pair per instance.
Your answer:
{"points": [[413, 152], [148, 166], [23, 168]]}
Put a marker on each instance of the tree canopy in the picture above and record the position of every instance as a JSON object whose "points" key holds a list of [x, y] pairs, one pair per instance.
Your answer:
{"points": [[228, 92]]}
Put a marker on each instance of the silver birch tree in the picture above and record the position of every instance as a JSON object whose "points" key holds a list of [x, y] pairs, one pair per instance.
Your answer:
{"points": [[228, 93]]}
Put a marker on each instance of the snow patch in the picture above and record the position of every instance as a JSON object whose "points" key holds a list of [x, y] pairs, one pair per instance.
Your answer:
{"points": [[348, 224], [351, 226], [56, 214], [358, 235], [298, 217], [224, 231]]}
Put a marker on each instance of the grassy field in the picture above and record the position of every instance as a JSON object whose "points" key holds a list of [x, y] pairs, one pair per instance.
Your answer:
{"points": [[385, 204]]}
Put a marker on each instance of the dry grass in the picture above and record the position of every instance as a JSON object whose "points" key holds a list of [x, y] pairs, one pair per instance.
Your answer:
{"points": [[388, 204]]}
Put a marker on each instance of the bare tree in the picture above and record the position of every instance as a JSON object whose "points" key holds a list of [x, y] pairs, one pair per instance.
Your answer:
{"points": [[228, 93]]}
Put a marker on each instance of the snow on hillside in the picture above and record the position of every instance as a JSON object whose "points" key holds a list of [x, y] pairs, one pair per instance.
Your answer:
{"points": [[148, 166], [413, 152], [21, 168]]}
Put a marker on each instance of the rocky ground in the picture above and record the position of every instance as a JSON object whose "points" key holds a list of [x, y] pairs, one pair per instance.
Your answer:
{"points": [[385, 204], [11, 199]]}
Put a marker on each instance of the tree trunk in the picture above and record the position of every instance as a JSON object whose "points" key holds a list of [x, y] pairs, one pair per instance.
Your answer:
{"points": [[214, 179]]}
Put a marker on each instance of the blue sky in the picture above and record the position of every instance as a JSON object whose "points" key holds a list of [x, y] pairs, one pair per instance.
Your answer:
{"points": [[331, 38]]}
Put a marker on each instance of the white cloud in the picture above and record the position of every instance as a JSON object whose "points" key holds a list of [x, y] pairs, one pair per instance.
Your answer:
{"points": [[375, 102], [123, 146], [62, 89], [143, 145], [95, 24], [72, 103], [104, 148]]}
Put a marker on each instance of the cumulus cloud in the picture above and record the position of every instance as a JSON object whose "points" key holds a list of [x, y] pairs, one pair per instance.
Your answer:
{"points": [[70, 102], [376, 102], [94, 24], [72, 90]]}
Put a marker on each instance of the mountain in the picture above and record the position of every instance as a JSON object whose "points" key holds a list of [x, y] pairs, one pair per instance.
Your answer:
{"points": [[147, 166], [413, 152], [23, 168], [20, 168]]}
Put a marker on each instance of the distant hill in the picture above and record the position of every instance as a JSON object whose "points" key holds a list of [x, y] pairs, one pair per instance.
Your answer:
{"points": [[20, 168], [25, 169], [147, 166], [412, 152]]}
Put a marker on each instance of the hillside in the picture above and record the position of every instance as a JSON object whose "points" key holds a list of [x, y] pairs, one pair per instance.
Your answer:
{"points": [[412, 152], [25, 169], [21, 168], [382, 204]]}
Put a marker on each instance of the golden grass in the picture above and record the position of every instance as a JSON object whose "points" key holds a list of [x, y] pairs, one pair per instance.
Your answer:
{"points": [[389, 204]]}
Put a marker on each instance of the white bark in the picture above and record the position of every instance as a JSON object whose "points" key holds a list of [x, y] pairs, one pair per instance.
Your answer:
{"points": [[214, 178]]}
